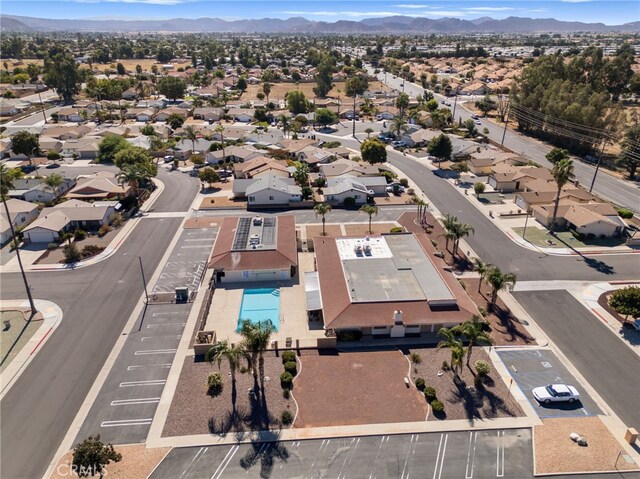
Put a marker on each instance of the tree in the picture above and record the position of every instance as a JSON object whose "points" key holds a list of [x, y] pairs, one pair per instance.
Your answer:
{"points": [[266, 89], [562, 172], [398, 126], [402, 103], [219, 129], [461, 230], [134, 174], [432, 105], [255, 341], [323, 78], [53, 181], [109, 146], [190, 133], [486, 105], [301, 175], [356, 85], [297, 102], [6, 183], [630, 156], [322, 209], [368, 131], [440, 118], [482, 268], [325, 117], [440, 147], [209, 175], [626, 301], [470, 126], [455, 346], [91, 456], [234, 354], [61, 73], [25, 143], [131, 156], [557, 154], [373, 151], [147, 130], [499, 281], [450, 223], [241, 84], [369, 210], [172, 87], [120, 69], [473, 331], [165, 54], [175, 121]]}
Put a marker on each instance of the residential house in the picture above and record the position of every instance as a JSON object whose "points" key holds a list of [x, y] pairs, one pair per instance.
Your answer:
{"points": [[339, 189], [269, 190], [312, 155], [482, 163], [84, 148], [129, 94], [235, 154], [185, 148], [208, 114], [340, 152], [163, 115], [102, 185], [260, 166], [255, 249], [347, 167], [143, 115], [547, 194], [295, 146], [21, 214], [37, 191], [11, 106], [70, 114], [590, 219], [507, 178], [48, 144], [63, 133], [243, 115]]}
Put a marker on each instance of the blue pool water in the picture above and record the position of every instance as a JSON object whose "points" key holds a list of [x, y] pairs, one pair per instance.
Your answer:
{"points": [[259, 305]]}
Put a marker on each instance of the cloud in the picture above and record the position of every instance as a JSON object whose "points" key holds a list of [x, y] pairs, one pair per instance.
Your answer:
{"points": [[575, 1], [147, 2], [410, 5], [488, 9]]}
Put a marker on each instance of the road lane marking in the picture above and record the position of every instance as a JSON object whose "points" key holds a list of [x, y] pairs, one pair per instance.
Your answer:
{"points": [[225, 462], [142, 366], [155, 351], [152, 382], [127, 422], [126, 402], [406, 459]]}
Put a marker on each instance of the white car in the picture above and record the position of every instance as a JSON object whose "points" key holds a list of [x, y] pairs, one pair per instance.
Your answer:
{"points": [[556, 393], [477, 122]]}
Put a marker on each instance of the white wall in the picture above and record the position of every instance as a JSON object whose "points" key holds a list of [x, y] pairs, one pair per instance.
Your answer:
{"points": [[256, 275]]}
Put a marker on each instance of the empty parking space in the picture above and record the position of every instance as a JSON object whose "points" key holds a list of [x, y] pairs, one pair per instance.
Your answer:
{"points": [[468, 455], [540, 367]]}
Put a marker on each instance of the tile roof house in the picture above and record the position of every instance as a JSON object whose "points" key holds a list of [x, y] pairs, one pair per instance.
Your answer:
{"points": [[529, 198], [85, 148], [483, 162], [99, 186], [185, 148], [389, 285], [61, 132], [255, 249], [312, 155], [236, 154]]}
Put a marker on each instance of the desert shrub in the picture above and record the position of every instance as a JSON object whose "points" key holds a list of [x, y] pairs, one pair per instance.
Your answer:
{"points": [[420, 384], [349, 201], [396, 229], [215, 382], [463, 284], [115, 220], [104, 229], [404, 182], [625, 213], [286, 417], [91, 250], [243, 370], [286, 380], [72, 253], [349, 335], [482, 367], [286, 393], [478, 187], [415, 358], [437, 407], [291, 367], [430, 393], [445, 365], [52, 246], [80, 234], [483, 311], [288, 356], [411, 192]]}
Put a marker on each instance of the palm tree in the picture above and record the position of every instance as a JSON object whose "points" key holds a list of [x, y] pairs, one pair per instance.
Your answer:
{"points": [[266, 89], [53, 181], [220, 130], [398, 126], [482, 268], [234, 355], [461, 230], [6, 184], [450, 223], [368, 131], [455, 345], [473, 330], [322, 209], [256, 339], [414, 115], [499, 281], [133, 175], [286, 124], [191, 134], [562, 172], [370, 210]]}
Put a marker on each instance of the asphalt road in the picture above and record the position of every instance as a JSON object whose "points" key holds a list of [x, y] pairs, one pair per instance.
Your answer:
{"points": [[621, 192], [452, 455], [495, 247], [97, 301], [609, 367]]}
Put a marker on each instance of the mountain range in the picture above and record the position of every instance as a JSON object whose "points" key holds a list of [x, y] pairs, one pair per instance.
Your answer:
{"points": [[394, 24]]}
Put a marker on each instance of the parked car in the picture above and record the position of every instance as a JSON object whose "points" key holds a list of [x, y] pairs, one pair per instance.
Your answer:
{"points": [[475, 117], [168, 159], [556, 393], [477, 122], [636, 324], [398, 144], [395, 188]]}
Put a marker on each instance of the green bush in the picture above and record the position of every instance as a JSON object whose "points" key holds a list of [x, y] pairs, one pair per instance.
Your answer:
{"points": [[430, 393], [80, 234], [445, 365], [286, 380], [286, 417], [482, 367], [91, 250], [478, 187], [286, 393], [215, 383], [437, 407], [396, 229], [349, 201], [415, 358], [625, 213], [288, 356], [291, 367], [404, 182], [104, 229], [420, 384], [52, 246], [483, 311], [72, 253]]}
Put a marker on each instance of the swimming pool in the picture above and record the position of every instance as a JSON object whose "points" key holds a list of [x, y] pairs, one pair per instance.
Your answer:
{"points": [[260, 305]]}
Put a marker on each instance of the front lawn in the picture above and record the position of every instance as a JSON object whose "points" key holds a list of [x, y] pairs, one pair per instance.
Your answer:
{"points": [[565, 239]]}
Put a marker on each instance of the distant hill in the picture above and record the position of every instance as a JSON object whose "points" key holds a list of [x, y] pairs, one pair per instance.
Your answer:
{"points": [[393, 24]]}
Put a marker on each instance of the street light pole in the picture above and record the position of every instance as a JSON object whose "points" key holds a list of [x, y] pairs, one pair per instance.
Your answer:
{"points": [[524, 233]]}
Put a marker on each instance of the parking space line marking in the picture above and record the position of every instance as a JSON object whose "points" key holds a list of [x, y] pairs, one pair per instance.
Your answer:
{"points": [[155, 351], [225, 462], [406, 460], [500, 455], [145, 338], [142, 366], [471, 454], [184, 313], [151, 382], [442, 447], [195, 460], [165, 324], [126, 402], [127, 422]]}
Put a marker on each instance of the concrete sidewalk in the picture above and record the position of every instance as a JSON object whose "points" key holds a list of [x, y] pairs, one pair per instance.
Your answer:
{"points": [[52, 316]]}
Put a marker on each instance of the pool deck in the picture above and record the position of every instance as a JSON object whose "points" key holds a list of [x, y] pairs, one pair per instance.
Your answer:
{"points": [[227, 300]]}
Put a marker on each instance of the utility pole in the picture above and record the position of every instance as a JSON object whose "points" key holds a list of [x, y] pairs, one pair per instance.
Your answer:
{"points": [[44, 115], [455, 104], [354, 115], [506, 122], [595, 173], [144, 281]]}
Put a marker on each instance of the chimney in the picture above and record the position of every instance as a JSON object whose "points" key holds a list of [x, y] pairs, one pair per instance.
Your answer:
{"points": [[397, 317]]}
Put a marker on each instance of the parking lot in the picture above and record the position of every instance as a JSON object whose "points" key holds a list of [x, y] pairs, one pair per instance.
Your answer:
{"points": [[453, 455], [540, 367]]}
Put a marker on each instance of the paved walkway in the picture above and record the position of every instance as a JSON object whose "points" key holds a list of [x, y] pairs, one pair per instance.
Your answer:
{"points": [[52, 316]]}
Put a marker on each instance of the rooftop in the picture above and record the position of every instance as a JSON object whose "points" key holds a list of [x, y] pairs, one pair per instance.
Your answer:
{"points": [[255, 233]]}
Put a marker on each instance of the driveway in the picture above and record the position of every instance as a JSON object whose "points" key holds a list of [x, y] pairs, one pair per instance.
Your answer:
{"points": [[355, 388]]}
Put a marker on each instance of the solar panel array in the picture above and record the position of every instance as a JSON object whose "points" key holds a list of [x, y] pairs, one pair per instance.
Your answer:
{"points": [[242, 234]]}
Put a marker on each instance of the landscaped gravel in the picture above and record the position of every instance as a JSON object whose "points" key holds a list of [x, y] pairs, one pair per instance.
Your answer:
{"points": [[194, 411], [460, 397]]}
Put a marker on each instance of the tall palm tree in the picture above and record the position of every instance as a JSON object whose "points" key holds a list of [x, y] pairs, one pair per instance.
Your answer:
{"points": [[6, 184], [461, 230], [286, 124], [133, 175], [455, 346], [499, 281], [482, 268], [234, 355], [266, 89], [256, 339], [398, 126], [370, 210], [322, 209], [562, 172], [414, 116], [450, 223], [53, 181], [220, 130], [473, 331], [190, 133]]}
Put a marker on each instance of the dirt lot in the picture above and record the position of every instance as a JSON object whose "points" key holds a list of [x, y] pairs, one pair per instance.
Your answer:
{"points": [[556, 453], [194, 411], [355, 388], [278, 90], [392, 199], [461, 399], [137, 463], [363, 228], [195, 223], [212, 202], [316, 230]]}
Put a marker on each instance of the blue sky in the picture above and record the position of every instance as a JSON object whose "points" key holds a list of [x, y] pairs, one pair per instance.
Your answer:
{"points": [[609, 12]]}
